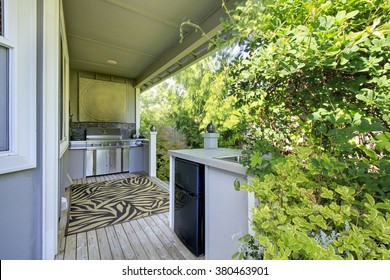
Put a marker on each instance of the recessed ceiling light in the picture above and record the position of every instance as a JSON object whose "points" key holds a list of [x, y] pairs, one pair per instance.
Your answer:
{"points": [[112, 62]]}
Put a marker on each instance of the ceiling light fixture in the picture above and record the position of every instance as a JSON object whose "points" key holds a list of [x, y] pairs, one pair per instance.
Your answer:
{"points": [[111, 62]]}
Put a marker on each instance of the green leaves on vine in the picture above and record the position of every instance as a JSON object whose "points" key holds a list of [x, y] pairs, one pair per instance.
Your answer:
{"points": [[314, 76], [309, 197]]}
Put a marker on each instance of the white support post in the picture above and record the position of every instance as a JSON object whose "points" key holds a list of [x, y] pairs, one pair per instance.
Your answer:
{"points": [[210, 140], [137, 110], [152, 154]]}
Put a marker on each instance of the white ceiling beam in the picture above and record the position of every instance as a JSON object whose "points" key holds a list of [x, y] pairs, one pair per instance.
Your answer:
{"points": [[191, 42]]}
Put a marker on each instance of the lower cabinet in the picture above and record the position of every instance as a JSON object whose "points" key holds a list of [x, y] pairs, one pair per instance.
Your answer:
{"points": [[125, 159], [84, 163], [76, 164], [222, 201], [108, 161], [146, 158], [89, 160], [136, 159]]}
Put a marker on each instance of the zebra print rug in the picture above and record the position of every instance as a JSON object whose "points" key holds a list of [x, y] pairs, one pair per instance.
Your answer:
{"points": [[101, 204]]}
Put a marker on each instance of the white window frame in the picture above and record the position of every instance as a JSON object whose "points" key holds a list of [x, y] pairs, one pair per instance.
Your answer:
{"points": [[20, 37], [64, 141]]}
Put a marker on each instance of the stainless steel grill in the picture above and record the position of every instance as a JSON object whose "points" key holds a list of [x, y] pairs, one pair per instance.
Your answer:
{"points": [[97, 133], [103, 137], [104, 151]]}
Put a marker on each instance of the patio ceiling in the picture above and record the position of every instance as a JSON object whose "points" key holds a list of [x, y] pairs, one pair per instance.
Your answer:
{"points": [[142, 36]]}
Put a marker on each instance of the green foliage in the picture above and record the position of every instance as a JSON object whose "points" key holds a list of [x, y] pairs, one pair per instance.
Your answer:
{"points": [[316, 206], [187, 103], [202, 97], [155, 109], [312, 84], [167, 140], [250, 249], [312, 70], [165, 143]]}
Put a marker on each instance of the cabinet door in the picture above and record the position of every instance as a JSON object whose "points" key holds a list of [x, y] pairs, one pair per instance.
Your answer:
{"points": [[101, 162], [76, 164], [125, 160], [146, 158], [89, 159], [114, 161], [136, 159]]}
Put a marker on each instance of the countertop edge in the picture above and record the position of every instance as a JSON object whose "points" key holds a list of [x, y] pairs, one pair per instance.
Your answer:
{"points": [[207, 157]]}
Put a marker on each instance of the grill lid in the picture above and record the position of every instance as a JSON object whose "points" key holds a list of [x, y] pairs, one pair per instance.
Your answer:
{"points": [[99, 133]]}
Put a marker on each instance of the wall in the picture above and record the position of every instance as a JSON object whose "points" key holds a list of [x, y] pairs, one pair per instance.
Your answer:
{"points": [[20, 223], [74, 93], [21, 192], [29, 198], [78, 128], [64, 180]]}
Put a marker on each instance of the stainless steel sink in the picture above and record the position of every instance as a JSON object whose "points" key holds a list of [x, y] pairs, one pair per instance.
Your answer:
{"points": [[234, 158]]}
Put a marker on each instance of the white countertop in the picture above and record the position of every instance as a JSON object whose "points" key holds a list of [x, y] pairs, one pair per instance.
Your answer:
{"points": [[208, 157]]}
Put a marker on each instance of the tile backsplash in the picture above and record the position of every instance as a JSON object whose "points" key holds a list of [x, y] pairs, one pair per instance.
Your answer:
{"points": [[78, 129]]}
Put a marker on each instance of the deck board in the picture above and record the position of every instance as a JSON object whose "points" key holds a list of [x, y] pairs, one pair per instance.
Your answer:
{"points": [[70, 248], [172, 250], [173, 239], [104, 246], [134, 241], [93, 247], [82, 247], [148, 246], [161, 250], [127, 249], [115, 247], [148, 238]]}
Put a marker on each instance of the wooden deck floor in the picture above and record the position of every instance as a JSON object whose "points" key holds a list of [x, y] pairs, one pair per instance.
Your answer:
{"points": [[148, 238]]}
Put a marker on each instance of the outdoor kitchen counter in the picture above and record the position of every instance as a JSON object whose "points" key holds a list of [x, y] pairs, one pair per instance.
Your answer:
{"points": [[227, 211], [209, 157]]}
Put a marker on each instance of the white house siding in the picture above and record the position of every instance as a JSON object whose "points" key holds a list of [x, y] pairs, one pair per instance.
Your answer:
{"points": [[29, 198], [21, 191], [20, 223]]}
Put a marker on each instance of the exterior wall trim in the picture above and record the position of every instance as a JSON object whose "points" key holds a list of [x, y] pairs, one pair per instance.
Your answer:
{"points": [[50, 135]]}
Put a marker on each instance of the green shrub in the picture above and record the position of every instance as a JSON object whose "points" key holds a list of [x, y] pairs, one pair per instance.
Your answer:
{"points": [[317, 206], [315, 74], [165, 143]]}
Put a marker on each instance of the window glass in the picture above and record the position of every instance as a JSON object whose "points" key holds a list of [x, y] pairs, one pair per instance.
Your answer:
{"points": [[18, 66], [4, 104]]}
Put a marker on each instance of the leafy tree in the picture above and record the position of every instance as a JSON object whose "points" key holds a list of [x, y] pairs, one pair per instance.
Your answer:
{"points": [[188, 102], [312, 82], [312, 70], [156, 105], [204, 98]]}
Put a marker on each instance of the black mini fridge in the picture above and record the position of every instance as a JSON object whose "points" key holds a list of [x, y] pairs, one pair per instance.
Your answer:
{"points": [[189, 217]]}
